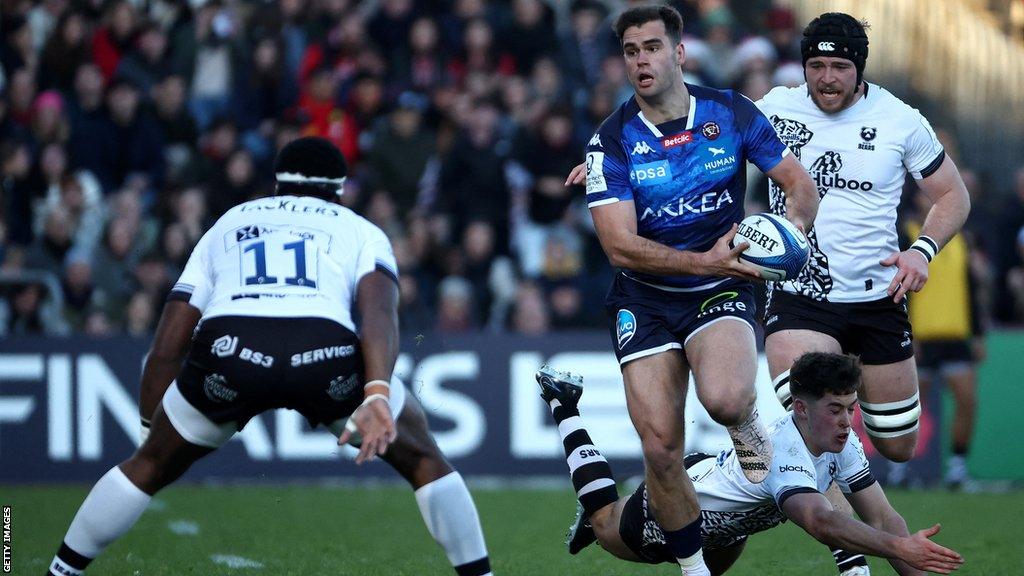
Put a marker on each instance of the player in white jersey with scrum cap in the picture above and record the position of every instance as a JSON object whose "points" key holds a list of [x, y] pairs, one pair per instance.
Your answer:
{"points": [[858, 142], [263, 317], [815, 446]]}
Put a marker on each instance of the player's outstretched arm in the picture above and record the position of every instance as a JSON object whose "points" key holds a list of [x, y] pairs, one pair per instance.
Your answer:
{"points": [[616, 230], [950, 208], [170, 344], [813, 512], [874, 509], [377, 301], [801, 193]]}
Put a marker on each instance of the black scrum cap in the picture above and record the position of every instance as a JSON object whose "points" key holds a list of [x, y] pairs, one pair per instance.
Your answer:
{"points": [[837, 35]]}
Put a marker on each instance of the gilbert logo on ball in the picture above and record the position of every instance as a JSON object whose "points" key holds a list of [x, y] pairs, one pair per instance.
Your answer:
{"points": [[777, 248]]}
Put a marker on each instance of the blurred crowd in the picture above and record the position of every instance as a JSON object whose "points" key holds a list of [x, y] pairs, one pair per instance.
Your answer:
{"points": [[128, 127]]}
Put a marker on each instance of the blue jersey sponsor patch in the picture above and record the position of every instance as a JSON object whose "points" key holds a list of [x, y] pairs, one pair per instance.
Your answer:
{"points": [[651, 173]]}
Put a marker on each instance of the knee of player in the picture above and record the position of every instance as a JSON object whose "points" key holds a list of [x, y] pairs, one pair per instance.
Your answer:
{"points": [[899, 449], [729, 413], [144, 471], [661, 455]]}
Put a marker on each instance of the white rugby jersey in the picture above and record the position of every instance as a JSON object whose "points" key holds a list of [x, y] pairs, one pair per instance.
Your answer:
{"points": [[285, 256], [859, 159], [731, 506]]}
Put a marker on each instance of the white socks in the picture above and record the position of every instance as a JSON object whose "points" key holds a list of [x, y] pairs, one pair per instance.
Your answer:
{"points": [[451, 517], [111, 509], [694, 565]]}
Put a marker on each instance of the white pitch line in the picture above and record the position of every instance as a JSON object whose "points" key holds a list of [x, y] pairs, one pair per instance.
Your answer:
{"points": [[235, 562], [184, 527]]}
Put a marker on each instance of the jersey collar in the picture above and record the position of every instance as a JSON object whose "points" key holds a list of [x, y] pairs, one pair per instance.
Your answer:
{"points": [[691, 116]]}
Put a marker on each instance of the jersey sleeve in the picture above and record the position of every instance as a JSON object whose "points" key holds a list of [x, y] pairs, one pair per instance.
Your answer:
{"points": [[792, 472], [761, 144], [922, 153], [195, 285], [607, 170], [854, 473], [376, 254]]}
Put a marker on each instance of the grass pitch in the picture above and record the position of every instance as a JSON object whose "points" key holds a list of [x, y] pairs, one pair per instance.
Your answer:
{"points": [[303, 530]]}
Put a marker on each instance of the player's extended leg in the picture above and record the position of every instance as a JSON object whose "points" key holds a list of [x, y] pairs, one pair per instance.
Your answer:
{"points": [[783, 348], [655, 399], [962, 383], [891, 407], [598, 506], [120, 497], [589, 471], [723, 356], [444, 501]]}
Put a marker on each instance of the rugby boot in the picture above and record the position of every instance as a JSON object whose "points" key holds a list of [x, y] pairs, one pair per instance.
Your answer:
{"points": [[557, 385], [581, 533], [753, 448]]}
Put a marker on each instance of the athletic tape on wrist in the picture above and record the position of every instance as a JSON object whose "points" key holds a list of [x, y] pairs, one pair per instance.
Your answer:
{"points": [[350, 425], [373, 397], [383, 383], [926, 246]]}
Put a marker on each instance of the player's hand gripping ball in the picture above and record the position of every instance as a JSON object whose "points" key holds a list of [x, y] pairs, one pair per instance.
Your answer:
{"points": [[777, 248]]}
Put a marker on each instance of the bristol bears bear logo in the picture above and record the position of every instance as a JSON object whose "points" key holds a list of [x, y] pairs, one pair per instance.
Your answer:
{"points": [[868, 133], [792, 133]]}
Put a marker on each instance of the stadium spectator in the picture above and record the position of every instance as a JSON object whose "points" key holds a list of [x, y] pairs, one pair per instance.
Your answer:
{"points": [[424, 66], [66, 49], [16, 46], [23, 311], [547, 156], [17, 198], [112, 40], [399, 150], [390, 26], [531, 34], [530, 315], [50, 248], [585, 45], [77, 288], [455, 306], [210, 52], [473, 184], [148, 61]]}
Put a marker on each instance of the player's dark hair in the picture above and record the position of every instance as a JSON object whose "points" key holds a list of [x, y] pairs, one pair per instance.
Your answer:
{"points": [[643, 14], [837, 35], [818, 373], [310, 166]]}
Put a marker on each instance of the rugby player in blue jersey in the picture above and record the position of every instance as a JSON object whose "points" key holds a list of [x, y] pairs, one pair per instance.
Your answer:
{"points": [[665, 184]]}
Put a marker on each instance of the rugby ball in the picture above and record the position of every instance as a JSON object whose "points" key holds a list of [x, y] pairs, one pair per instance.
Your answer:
{"points": [[777, 248]]}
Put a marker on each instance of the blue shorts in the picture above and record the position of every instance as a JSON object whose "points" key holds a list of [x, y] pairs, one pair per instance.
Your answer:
{"points": [[646, 320]]}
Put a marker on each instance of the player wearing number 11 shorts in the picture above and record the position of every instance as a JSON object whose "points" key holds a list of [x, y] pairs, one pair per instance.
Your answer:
{"points": [[265, 316]]}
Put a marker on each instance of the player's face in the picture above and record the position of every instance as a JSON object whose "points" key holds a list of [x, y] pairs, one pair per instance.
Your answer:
{"points": [[829, 420], [832, 83], [653, 59]]}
